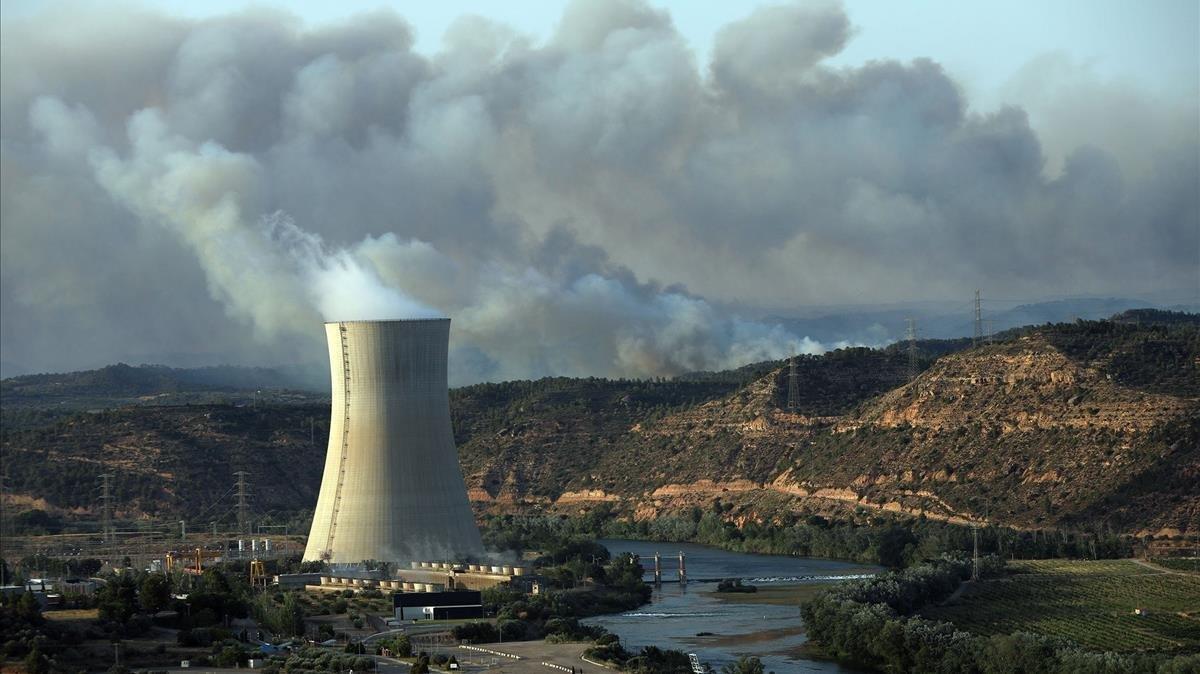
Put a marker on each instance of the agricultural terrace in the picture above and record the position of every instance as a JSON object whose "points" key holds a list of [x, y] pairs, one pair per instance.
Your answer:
{"points": [[1092, 603]]}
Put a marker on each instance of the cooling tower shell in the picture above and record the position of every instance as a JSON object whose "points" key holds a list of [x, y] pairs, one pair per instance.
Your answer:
{"points": [[392, 489]]}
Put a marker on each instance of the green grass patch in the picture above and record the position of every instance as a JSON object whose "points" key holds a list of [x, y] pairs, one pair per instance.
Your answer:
{"points": [[1089, 602]]}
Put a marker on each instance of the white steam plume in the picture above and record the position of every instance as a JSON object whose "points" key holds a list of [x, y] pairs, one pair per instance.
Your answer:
{"points": [[340, 284], [588, 205]]}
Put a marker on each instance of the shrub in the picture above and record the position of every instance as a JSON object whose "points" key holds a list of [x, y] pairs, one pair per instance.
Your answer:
{"points": [[476, 632], [197, 636], [231, 656], [401, 647]]}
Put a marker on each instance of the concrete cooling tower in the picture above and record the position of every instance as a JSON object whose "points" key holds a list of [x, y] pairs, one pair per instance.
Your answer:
{"points": [[392, 489]]}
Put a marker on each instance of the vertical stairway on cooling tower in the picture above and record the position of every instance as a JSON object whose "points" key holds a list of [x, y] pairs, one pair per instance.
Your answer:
{"points": [[341, 473], [392, 489]]}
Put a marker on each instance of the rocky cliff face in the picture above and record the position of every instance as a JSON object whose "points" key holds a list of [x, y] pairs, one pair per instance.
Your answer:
{"points": [[1024, 385], [1018, 433]]}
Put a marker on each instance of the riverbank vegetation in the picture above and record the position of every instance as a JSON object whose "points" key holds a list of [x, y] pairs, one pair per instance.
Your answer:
{"points": [[894, 543], [555, 612], [875, 623]]}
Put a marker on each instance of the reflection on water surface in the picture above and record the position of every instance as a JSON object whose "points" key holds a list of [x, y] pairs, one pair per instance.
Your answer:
{"points": [[768, 626]]}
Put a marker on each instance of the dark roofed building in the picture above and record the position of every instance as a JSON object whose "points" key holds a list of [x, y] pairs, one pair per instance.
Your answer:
{"points": [[438, 605]]}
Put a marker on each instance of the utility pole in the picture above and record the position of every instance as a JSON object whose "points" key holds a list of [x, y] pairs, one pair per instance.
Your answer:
{"points": [[3, 566], [975, 554], [106, 506], [912, 348], [793, 385], [243, 503], [978, 321]]}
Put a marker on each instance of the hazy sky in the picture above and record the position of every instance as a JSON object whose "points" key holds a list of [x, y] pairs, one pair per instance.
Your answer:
{"points": [[589, 187], [981, 44]]}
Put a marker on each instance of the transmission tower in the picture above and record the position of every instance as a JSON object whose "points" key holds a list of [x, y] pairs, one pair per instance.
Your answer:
{"points": [[978, 321], [975, 553], [793, 385], [911, 334], [106, 506], [243, 503], [3, 579]]}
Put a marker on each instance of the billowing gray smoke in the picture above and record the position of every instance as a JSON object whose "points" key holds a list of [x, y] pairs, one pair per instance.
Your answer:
{"points": [[592, 205]]}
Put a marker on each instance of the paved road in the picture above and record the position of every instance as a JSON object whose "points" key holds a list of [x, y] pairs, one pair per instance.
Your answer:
{"points": [[389, 665], [533, 654], [410, 630]]}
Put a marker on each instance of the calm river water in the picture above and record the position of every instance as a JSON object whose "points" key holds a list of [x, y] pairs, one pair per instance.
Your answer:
{"points": [[675, 615]]}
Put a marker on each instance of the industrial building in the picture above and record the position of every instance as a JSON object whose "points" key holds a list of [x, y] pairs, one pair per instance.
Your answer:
{"points": [[456, 576], [438, 605], [392, 489], [424, 577]]}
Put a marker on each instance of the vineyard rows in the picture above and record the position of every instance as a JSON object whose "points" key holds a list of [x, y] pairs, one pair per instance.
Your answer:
{"points": [[1089, 602]]}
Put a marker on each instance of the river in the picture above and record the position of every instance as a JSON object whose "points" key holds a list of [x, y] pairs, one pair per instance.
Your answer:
{"points": [[766, 624]]}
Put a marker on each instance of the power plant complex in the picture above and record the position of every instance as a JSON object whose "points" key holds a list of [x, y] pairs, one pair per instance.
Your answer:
{"points": [[392, 489]]}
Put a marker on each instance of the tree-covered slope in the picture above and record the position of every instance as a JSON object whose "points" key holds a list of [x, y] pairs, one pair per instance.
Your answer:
{"points": [[1096, 422]]}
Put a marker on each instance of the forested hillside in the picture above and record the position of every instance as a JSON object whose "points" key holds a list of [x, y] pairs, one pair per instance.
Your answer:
{"points": [[1094, 423]]}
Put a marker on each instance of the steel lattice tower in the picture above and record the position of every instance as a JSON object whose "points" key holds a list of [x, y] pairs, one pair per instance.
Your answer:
{"points": [[978, 321], [911, 335], [793, 385], [243, 503], [106, 505]]}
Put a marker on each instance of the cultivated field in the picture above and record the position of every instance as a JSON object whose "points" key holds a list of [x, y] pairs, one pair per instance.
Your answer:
{"points": [[1089, 602], [1191, 564]]}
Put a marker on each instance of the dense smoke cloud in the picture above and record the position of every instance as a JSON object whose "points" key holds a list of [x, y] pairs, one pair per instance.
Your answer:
{"points": [[591, 205]]}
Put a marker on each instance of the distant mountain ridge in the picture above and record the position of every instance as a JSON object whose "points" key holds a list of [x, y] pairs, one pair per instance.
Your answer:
{"points": [[121, 383], [877, 326], [1092, 423]]}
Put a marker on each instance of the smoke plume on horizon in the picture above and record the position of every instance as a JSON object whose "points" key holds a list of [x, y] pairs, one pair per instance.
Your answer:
{"points": [[591, 205]]}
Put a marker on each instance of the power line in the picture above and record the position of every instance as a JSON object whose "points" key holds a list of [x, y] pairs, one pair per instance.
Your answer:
{"points": [[214, 503]]}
